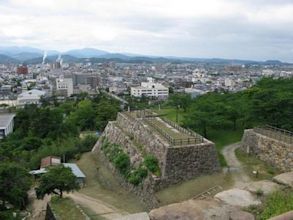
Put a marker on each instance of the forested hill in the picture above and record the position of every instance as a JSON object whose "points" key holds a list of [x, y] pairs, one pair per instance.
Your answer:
{"points": [[270, 101]]}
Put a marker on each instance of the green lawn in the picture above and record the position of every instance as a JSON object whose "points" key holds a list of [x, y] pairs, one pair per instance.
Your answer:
{"points": [[171, 113], [66, 209]]}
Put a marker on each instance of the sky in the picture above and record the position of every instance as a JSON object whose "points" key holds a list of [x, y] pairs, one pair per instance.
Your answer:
{"points": [[238, 29]]}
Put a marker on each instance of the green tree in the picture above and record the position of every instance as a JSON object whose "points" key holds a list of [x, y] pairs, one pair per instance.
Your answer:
{"points": [[57, 180], [14, 184], [105, 111], [84, 115], [180, 100]]}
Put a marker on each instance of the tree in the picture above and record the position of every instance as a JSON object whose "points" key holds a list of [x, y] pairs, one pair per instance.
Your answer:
{"points": [[14, 184], [180, 99], [57, 180], [106, 111], [84, 116]]}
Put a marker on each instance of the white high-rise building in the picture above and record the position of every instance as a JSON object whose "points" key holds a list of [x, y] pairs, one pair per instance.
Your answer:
{"points": [[150, 89], [65, 84]]}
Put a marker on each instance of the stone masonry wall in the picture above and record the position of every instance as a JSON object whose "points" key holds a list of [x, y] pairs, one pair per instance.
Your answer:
{"points": [[143, 135], [186, 162], [116, 135], [177, 163], [272, 151]]}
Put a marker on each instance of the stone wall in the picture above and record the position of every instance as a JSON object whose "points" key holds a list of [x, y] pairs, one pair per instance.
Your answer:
{"points": [[49, 213], [177, 163], [144, 191], [186, 162], [143, 135], [272, 151]]}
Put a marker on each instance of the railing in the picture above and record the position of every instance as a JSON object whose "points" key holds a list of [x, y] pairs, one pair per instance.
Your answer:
{"points": [[174, 141], [183, 130], [148, 116], [275, 133]]}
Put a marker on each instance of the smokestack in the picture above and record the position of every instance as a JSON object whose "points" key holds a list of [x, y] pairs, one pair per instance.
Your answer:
{"points": [[44, 57]]}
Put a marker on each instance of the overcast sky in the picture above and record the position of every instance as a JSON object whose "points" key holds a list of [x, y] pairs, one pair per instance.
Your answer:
{"points": [[245, 29]]}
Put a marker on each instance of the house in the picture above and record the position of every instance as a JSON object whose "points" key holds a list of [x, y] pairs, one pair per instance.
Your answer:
{"points": [[50, 161], [53, 161], [6, 124], [80, 177]]}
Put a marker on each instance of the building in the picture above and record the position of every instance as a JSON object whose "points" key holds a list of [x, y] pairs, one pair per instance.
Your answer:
{"points": [[6, 124], [80, 177], [150, 89], [22, 69], [50, 161], [30, 97], [64, 86], [55, 161]]}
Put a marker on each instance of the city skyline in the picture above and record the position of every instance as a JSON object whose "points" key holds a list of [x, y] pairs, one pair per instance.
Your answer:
{"points": [[258, 30]]}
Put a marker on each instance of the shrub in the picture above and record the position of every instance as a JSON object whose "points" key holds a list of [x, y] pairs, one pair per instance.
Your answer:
{"points": [[152, 163], [86, 143], [136, 176], [259, 193], [122, 162]]}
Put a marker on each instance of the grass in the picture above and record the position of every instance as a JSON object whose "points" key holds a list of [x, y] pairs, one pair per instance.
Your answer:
{"points": [[172, 132], [102, 185], [252, 163], [170, 113], [66, 209], [224, 137], [191, 188], [275, 204], [92, 215]]}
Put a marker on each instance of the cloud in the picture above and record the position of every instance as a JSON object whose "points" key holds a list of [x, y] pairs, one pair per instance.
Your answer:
{"points": [[250, 29]]}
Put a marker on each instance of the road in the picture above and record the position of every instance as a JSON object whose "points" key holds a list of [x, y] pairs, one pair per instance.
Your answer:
{"points": [[99, 207], [235, 166]]}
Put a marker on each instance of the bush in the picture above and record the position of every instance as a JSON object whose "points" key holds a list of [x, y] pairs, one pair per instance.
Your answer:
{"points": [[135, 177], [152, 163], [86, 143], [122, 162]]}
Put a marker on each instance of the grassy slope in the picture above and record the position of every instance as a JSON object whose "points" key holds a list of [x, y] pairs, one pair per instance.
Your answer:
{"points": [[66, 209], [251, 163], [101, 184]]}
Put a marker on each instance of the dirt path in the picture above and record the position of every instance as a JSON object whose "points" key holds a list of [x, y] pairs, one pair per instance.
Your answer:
{"points": [[38, 207], [235, 166], [98, 207]]}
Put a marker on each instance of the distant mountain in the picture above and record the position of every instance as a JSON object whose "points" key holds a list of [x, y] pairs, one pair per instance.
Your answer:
{"points": [[18, 50], [25, 56], [6, 59], [86, 53], [52, 59], [32, 55]]}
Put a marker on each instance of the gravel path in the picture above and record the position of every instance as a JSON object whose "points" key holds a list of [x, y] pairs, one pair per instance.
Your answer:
{"points": [[235, 166]]}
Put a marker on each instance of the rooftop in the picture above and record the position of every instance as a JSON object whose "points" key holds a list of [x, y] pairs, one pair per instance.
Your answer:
{"points": [[75, 169], [5, 119]]}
